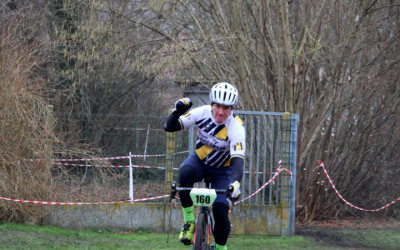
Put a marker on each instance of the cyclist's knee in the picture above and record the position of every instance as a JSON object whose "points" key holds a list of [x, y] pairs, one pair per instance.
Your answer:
{"points": [[187, 175]]}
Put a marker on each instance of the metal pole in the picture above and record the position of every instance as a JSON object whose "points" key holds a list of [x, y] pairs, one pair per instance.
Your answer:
{"points": [[294, 121], [130, 178], [147, 138], [286, 184]]}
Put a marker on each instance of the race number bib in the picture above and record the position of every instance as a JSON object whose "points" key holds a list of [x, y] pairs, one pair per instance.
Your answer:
{"points": [[203, 196]]}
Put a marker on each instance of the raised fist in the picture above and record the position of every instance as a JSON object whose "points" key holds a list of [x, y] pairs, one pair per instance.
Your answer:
{"points": [[181, 106]]}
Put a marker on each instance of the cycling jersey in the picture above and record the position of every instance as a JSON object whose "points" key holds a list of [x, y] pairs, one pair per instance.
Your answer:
{"points": [[216, 143]]}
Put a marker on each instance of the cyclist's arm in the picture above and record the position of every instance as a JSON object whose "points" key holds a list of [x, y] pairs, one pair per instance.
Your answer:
{"points": [[172, 123], [176, 122], [237, 168], [237, 150]]}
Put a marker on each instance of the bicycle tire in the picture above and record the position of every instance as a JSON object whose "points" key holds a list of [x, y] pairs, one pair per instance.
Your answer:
{"points": [[202, 233]]}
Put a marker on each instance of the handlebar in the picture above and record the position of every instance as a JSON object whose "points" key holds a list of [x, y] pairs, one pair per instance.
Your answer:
{"points": [[175, 189]]}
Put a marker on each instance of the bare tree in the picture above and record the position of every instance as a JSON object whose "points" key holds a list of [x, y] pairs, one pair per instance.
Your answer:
{"points": [[98, 65], [28, 139], [26, 122]]}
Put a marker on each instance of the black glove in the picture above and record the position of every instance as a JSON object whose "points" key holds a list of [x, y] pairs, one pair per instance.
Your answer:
{"points": [[181, 106]]}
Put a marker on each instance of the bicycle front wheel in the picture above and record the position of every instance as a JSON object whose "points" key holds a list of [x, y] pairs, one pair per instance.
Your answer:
{"points": [[202, 233]]}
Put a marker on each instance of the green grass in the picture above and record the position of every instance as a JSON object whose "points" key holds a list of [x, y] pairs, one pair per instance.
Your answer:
{"points": [[22, 236]]}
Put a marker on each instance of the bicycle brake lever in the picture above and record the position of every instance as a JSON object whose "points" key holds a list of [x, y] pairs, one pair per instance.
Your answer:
{"points": [[173, 190], [172, 199], [230, 191]]}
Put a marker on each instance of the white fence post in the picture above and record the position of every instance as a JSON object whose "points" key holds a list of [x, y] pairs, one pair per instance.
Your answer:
{"points": [[130, 178]]}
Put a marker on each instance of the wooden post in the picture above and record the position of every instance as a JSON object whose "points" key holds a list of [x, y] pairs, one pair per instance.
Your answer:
{"points": [[169, 162]]}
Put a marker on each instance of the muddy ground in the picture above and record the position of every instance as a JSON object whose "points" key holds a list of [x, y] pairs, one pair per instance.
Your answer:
{"points": [[331, 233]]}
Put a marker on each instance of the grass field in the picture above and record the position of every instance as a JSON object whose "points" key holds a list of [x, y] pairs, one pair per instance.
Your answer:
{"points": [[21, 236]]}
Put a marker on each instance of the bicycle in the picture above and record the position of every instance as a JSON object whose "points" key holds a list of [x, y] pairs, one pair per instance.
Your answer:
{"points": [[203, 198]]}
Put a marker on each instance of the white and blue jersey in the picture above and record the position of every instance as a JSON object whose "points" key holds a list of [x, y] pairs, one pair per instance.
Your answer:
{"points": [[216, 143]]}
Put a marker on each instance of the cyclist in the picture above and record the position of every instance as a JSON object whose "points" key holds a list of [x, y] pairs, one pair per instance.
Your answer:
{"points": [[220, 150]]}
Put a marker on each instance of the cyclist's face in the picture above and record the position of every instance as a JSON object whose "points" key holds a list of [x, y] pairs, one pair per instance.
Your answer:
{"points": [[221, 112]]}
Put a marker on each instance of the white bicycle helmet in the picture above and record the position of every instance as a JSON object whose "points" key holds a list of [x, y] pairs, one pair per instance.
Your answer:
{"points": [[224, 93]]}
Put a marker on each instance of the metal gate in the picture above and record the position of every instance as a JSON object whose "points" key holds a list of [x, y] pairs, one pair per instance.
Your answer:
{"points": [[266, 209]]}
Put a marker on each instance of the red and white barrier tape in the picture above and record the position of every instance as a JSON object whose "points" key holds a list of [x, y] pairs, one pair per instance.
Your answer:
{"points": [[82, 203], [138, 129], [279, 170], [98, 159], [321, 164], [255, 172], [141, 166], [113, 166], [108, 158]]}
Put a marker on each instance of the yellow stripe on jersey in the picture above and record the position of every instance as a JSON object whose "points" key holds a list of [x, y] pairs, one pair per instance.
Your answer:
{"points": [[228, 162], [203, 151], [237, 156], [180, 123], [240, 120], [223, 134]]}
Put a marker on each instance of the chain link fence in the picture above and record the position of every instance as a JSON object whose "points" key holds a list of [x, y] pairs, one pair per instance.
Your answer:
{"points": [[142, 136]]}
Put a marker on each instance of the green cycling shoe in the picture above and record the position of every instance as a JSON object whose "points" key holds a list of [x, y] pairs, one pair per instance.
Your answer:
{"points": [[187, 232]]}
